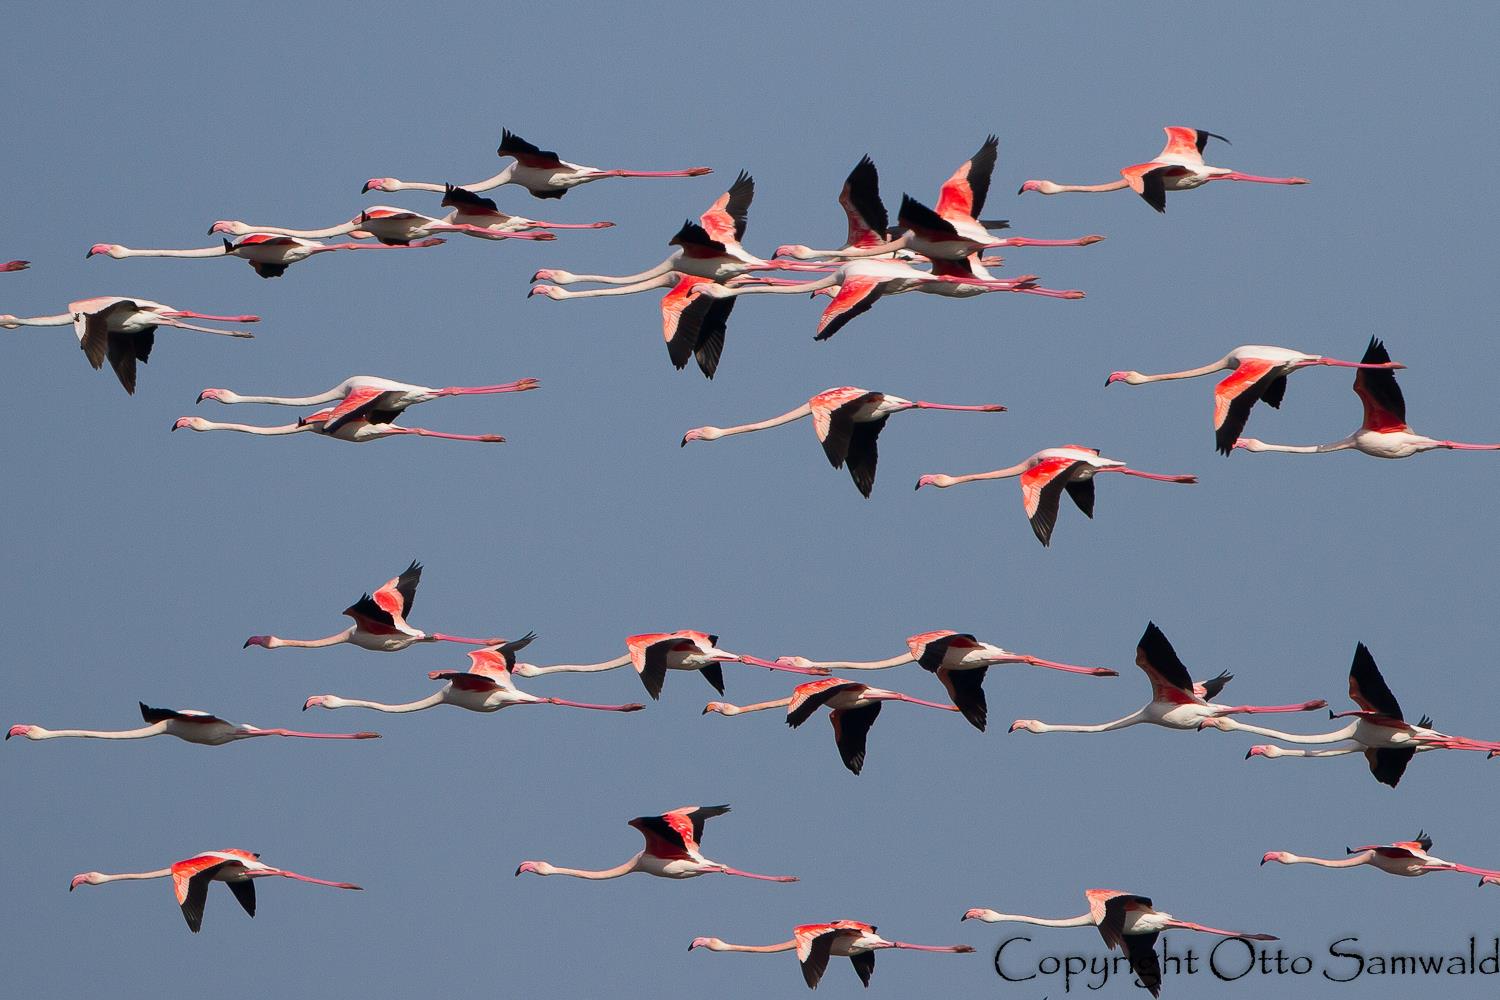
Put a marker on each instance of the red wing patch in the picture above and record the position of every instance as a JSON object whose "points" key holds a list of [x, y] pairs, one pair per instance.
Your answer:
{"points": [[464, 681], [855, 295], [918, 643], [183, 872], [1036, 478], [358, 397], [1246, 375], [829, 400], [1182, 144], [265, 240], [675, 302]]}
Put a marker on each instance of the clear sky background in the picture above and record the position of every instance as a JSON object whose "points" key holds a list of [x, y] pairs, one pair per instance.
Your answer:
{"points": [[138, 561]]}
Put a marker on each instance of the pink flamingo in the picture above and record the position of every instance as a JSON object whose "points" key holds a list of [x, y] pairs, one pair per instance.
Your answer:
{"points": [[15, 265], [540, 171], [123, 330], [365, 397], [959, 660], [1384, 432], [269, 255], [853, 709], [1044, 477], [190, 879], [485, 687], [848, 422], [652, 654], [186, 724], [1378, 730], [1127, 922], [359, 429], [379, 621], [671, 850], [816, 943], [1258, 373], [1407, 858], [1178, 167], [1177, 701]]}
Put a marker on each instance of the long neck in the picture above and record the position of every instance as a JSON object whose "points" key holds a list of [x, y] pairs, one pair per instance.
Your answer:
{"points": [[791, 288], [1087, 188], [309, 234], [607, 873], [785, 418], [61, 319], [1208, 369], [484, 185], [205, 252], [1245, 727], [411, 706], [209, 425], [529, 670], [566, 278], [1350, 862], [322, 397], [657, 281], [132, 876], [756, 949], [1132, 719], [1006, 473], [1085, 920], [725, 709], [894, 661], [1304, 449], [332, 640], [125, 734]]}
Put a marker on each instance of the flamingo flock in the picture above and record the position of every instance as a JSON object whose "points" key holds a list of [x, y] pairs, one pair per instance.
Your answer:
{"points": [[946, 249]]}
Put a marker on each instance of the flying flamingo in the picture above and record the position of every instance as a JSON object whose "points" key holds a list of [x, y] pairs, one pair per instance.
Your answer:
{"points": [[390, 226], [815, 944], [847, 421], [869, 225], [853, 709], [540, 171], [1384, 432], [185, 724], [652, 654], [379, 621], [1407, 858], [857, 284], [190, 879], [356, 429], [1046, 474], [959, 660], [15, 265], [1178, 167], [367, 398], [1125, 921], [1259, 374], [1177, 701], [1378, 729], [269, 255], [124, 330], [485, 687], [671, 850]]}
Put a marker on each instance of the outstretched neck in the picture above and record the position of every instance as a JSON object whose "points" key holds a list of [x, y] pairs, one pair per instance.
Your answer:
{"points": [[894, 661], [1359, 858], [714, 944], [1245, 727], [1050, 188], [332, 640], [1208, 369], [607, 873], [530, 670], [1301, 449], [726, 709], [1084, 920], [1104, 727], [146, 732], [411, 706], [133, 876], [323, 397], [785, 418], [209, 425], [61, 319]]}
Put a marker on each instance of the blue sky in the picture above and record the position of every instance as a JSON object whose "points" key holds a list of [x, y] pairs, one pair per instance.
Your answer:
{"points": [[139, 560]]}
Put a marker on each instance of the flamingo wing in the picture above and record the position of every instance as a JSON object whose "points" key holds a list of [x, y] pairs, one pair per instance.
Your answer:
{"points": [[1388, 765], [966, 691], [190, 880], [1209, 690], [667, 836], [924, 222], [151, 716], [499, 659], [1385, 407], [697, 816], [860, 199], [469, 203], [468, 680], [1368, 688], [855, 297], [814, 946], [726, 218], [808, 698], [851, 727], [864, 454], [648, 654], [930, 648], [1041, 493], [963, 194], [864, 965], [695, 241], [525, 153], [404, 586], [1112, 921], [694, 326], [371, 617], [1149, 180], [1140, 949], [1185, 145], [1170, 680], [244, 892], [125, 349], [364, 403], [833, 419], [1238, 393]]}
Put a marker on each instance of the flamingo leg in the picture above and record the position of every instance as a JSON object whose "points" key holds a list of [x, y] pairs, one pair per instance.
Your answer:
{"points": [[520, 385], [319, 736], [1070, 668], [726, 870], [424, 432], [1306, 706], [1235, 175], [756, 661], [314, 881], [632, 707], [1188, 925]]}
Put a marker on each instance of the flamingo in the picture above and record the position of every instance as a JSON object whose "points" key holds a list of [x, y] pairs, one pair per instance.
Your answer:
{"points": [[1178, 167], [1046, 474], [379, 621], [671, 850], [816, 943], [1408, 858], [15, 265], [959, 660], [1177, 701], [652, 654], [869, 225], [857, 284], [1259, 374], [191, 876], [268, 254], [1384, 432], [123, 330], [853, 709], [366, 397], [540, 171], [1379, 730], [391, 226], [186, 724], [1127, 922], [375, 425], [485, 687], [847, 421]]}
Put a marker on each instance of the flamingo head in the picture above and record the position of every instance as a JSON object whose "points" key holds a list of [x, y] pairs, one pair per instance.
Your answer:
{"points": [[15, 265], [535, 867], [112, 249], [1260, 751], [9, 321], [1040, 187], [794, 661], [86, 878], [1249, 444], [190, 423], [551, 291], [1129, 378], [317, 701], [380, 184], [1030, 725], [550, 274], [977, 913], [713, 706], [701, 434], [19, 731], [796, 250], [939, 480], [228, 226], [1280, 857], [217, 395], [1490, 880], [264, 641], [704, 942]]}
